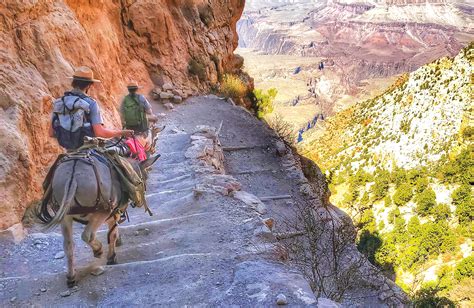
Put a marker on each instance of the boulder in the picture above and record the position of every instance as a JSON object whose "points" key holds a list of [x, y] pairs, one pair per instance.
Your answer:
{"points": [[177, 92], [155, 93], [251, 200], [155, 96], [167, 86], [166, 95], [263, 233], [177, 99], [169, 106], [15, 233], [281, 300]]}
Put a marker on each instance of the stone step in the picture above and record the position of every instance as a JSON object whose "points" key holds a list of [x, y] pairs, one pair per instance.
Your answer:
{"points": [[173, 142], [171, 158], [176, 183]]}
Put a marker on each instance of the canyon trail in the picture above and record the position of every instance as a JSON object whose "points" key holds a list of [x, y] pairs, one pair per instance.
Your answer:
{"points": [[201, 246]]}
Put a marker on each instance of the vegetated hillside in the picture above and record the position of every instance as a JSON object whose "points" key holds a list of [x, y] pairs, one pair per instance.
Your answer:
{"points": [[186, 43], [402, 166]]}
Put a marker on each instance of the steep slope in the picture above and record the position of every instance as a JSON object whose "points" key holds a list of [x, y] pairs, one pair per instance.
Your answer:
{"points": [[402, 166], [424, 115], [152, 42]]}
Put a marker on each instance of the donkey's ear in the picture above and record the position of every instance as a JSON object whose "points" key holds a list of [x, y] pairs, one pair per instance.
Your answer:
{"points": [[147, 163]]}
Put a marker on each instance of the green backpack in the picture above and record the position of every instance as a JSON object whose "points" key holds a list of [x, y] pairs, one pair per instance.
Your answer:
{"points": [[133, 114]]}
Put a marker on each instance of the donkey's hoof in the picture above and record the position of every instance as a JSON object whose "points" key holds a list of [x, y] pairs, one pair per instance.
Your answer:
{"points": [[71, 282], [98, 253], [112, 260]]}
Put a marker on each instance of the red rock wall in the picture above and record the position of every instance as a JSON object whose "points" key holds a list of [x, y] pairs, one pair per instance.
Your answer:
{"points": [[151, 41]]}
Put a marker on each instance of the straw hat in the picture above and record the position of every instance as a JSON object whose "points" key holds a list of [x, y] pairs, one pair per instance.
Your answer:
{"points": [[84, 73], [133, 85]]}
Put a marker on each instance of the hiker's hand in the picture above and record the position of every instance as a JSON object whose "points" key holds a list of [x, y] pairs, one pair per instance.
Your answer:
{"points": [[127, 133]]}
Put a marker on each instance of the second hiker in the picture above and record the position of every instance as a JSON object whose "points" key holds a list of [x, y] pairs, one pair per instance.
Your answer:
{"points": [[135, 110]]}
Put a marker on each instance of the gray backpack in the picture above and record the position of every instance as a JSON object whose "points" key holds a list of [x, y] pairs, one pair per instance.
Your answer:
{"points": [[71, 121]]}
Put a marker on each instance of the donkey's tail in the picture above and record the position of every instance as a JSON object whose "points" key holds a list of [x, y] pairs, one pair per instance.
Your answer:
{"points": [[65, 205]]}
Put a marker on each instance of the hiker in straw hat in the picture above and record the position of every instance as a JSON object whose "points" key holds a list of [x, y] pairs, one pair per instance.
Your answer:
{"points": [[135, 110], [76, 115]]}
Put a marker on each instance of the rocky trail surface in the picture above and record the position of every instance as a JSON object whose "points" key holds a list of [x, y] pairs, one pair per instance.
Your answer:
{"points": [[208, 242]]}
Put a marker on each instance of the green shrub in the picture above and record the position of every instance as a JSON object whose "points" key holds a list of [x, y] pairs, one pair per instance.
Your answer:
{"points": [[386, 255], [402, 195], [465, 212], [360, 178], [437, 238], [387, 201], [413, 175], [367, 221], [394, 214], [462, 199], [428, 240], [414, 227], [421, 184], [381, 185], [196, 68], [425, 201], [441, 212], [459, 169], [351, 195], [405, 125], [264, 101], [445, 277], [462, 194], [465, 268], [429, 296], [381, 225], [232, 86], [398, 176], [468, 132], [365, 200]]}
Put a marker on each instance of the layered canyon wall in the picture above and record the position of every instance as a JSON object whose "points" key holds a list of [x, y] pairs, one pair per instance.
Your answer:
{"points": [[149, 41], [363, 44]]}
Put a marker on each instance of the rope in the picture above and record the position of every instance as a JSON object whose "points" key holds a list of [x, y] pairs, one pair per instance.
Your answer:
{"points": [[115, 144]]}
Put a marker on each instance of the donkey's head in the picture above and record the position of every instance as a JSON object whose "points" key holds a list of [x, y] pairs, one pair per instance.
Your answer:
{"points": [[146, 165]]}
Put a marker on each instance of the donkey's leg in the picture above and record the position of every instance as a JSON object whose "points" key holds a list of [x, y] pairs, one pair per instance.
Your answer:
{"points": [[66, 227], [119, 241], [88, 235], [112, 236]]}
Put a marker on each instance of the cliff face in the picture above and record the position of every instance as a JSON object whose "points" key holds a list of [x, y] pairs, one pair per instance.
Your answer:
{"points": [[43, 41]]}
